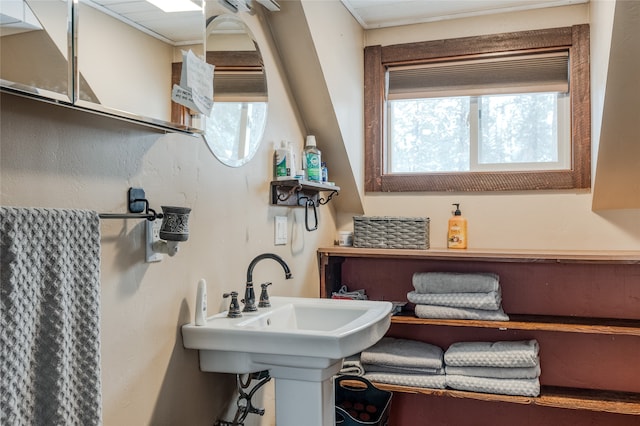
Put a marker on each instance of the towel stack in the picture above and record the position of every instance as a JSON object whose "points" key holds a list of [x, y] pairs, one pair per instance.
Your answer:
{"points": [[404, 362], [508, 368], [450, 295]]}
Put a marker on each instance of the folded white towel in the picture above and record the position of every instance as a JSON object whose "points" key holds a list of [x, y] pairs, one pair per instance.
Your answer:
{"points": [[486, 301], [519, 387], [495, 372], [352, 366], [448, 312], [454, 282], [431, 381], [522, 353], [390, 351]]}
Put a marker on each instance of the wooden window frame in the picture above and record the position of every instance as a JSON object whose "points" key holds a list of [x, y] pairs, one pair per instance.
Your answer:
{"points": [[377, 58]]}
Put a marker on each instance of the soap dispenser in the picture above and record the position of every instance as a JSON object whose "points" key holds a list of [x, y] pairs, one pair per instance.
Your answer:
{"points": [[457, 233]]}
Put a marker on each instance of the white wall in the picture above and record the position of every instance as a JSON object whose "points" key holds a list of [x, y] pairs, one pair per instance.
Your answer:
{"points": [[58, 157]]}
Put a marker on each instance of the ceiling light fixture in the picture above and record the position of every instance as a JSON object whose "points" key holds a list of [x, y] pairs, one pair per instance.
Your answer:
{"points": [[175, 5]]}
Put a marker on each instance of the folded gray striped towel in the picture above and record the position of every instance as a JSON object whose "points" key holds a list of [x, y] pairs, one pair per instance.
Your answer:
{"points": [[375, 368], [495, 372], [431, 381], [523, 353], [448, 312], [518, 387], [407, 353], [455, 282], [486, 301], [352, 366]]}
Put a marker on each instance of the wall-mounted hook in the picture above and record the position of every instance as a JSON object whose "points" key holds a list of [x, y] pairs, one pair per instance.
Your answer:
{"points": [[310, 204], [138, 207]]}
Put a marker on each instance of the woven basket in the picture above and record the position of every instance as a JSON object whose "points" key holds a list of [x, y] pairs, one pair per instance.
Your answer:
{"points": [[391, 232]]}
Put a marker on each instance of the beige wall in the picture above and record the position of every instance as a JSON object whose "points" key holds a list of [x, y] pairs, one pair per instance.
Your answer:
{"points": [[529, 220], [127, 70], [57, 157]]}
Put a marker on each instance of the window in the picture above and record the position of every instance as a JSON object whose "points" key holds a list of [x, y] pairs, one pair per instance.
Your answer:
{"points": [[501, 112]]}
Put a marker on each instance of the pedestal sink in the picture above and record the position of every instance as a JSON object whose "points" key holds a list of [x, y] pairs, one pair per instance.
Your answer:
{"points": [[301, 341]]}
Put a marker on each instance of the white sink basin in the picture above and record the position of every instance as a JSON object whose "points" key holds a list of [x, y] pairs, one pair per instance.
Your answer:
{"points": [[298, 333]]}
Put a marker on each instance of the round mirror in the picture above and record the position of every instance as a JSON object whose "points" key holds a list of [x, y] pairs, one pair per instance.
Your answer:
{"points": [[233, 131]]}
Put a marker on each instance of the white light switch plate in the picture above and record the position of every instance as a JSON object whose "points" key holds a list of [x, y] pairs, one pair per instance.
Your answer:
{"points": [[280, 231]]}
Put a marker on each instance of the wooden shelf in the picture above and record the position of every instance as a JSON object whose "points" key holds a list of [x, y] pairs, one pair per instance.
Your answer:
{"points": [[490, 255], [574, 292], [550, 396], [537, 322]]}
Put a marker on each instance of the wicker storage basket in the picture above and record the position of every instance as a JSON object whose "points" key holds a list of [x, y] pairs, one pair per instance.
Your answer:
{"points": [[391, 232]]}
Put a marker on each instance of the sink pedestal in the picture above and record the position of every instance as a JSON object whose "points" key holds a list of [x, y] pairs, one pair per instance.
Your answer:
{"points": [[305, 397], [305, 393]]}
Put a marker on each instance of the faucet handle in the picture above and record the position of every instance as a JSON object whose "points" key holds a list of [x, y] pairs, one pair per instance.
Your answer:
{"points": [[264, 296], [234, 306]]}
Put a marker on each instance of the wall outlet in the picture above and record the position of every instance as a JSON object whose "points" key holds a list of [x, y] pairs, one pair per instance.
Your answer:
{"points": [[280, 231], [152, 235]]}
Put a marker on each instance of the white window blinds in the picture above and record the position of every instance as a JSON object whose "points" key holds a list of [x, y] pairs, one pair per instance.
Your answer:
{"points": [[537, 72]]}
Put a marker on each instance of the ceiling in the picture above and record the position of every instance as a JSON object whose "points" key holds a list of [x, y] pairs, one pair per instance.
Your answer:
{"points": [[389, 13], [184, 27], [177, 28]]}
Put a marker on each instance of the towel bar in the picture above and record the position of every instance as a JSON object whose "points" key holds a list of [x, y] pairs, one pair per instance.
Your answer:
{"points": [[137, 205], [149, 216]]}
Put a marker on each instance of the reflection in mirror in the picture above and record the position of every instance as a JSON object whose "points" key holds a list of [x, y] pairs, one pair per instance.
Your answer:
{"points": [[234, 129], [125, 53], [34, 56]]}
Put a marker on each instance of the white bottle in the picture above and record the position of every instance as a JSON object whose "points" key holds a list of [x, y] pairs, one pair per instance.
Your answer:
{"points": [[293, 165], [201, 303], [281, 162]]}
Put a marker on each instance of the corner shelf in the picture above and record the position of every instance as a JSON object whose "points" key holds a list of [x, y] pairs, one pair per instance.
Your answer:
{"points": [[296, 192]]}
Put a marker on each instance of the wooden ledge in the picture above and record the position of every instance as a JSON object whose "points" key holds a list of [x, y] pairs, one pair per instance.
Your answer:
{"points": [[550, 396]]}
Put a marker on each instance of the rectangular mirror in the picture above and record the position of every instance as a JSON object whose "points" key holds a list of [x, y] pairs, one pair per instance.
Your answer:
{"points": [[36, 46], [113, 57], [125, 51]]}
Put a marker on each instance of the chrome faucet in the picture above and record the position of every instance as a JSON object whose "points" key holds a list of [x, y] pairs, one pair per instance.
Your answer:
{"points": [[249, 295]]}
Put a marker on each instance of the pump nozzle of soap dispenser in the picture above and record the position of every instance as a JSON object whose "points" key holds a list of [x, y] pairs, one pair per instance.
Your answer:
{"points": [[457, 212]]}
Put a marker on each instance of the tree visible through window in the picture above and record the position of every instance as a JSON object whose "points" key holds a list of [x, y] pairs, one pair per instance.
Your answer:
{"points": [[462, 134]]}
